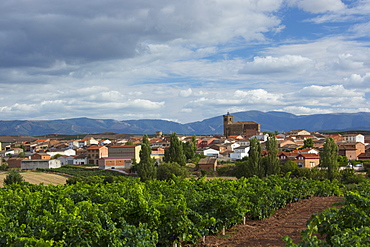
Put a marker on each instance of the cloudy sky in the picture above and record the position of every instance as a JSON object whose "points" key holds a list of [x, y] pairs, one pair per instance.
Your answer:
{"points": [[182, 60]]}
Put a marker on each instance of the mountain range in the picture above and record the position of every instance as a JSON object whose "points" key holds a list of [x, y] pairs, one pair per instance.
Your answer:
{"points": [[269, 121]]}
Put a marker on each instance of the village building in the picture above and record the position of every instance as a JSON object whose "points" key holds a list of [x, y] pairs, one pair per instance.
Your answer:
{"points": [[40, 163], [42, 156], [351, 150], [132, 151], [115, 163], [96, 152], [207, 164], [243, 128], [308, 160], [239, 153]]}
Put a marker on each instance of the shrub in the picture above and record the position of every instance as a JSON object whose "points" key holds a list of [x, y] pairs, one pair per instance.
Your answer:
{"points": [[4, 166], [167, 170], [14, 177]]}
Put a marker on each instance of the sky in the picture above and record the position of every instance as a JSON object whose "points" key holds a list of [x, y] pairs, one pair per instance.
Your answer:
{"points": [[182, 60]]}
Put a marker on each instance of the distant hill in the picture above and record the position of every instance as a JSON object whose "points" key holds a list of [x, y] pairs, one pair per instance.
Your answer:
{"points": [[270, 121]]}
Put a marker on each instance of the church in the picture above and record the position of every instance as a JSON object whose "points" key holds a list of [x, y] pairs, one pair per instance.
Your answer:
{"points": [[246, 129]]}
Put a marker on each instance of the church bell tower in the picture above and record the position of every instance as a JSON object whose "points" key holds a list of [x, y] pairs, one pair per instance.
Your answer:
{"points": [[228, 119]]}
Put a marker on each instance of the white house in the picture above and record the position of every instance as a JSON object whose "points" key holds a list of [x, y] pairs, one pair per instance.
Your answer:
{"points": [[243, 142], [46, 164], [73, 144], [212, 153], [232, 146], [105, 142], [354, 138], [80, 160], [66, 160], [261, 137], [239, 153]]}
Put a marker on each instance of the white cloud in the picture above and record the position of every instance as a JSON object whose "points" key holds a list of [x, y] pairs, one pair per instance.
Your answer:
{"points": [[186, 92], [361, 30], [358, 81], [335, 91], [168, 58], [302, 110], [318, 6], [345, 62], [283, 64]]}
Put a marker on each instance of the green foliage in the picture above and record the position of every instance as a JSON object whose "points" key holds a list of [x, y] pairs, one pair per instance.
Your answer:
{"points": [[342, 160], [132, 213], [226, 170], [272, 165], [4, 166], [348, 176], [290, 166], [175, 153], [166, 171], [346, 226], [190, 149], [14, 177], [254, 166], [129, 143], [57, 156], [146, 168], [81, 171], [308, 143], [329, 158], [21, 155]]}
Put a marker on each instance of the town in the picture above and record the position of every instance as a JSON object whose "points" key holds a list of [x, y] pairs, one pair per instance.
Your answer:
{"points": [[300, 146]]}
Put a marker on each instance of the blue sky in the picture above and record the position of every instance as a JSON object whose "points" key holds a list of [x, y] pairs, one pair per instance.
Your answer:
{"points": [[183, 61]]}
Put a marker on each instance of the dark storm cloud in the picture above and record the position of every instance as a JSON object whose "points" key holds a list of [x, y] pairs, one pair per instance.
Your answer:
{"points": [[36, 33]]}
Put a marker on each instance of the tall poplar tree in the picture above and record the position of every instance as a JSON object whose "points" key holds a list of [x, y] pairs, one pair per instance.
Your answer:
{"points": [[190, 148], [272, 161], [329, 158], [254, 164], [146, 169], [175, 153]]}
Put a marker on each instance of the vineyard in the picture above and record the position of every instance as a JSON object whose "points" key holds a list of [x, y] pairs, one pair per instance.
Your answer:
{"points": [[348, 225], [132, 213]]}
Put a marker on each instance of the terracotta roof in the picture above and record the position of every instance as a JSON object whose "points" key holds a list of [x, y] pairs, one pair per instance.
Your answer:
{"points": [[95, 147], [309, 155], [117, 158], [42, 140], [207, 161]]}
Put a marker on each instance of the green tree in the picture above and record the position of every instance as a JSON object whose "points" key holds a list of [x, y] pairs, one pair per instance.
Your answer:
{"points": [[308, 143], [129, 143], [190, 148], [14, 177], [167, 170], [57, 156], [329, 158], [175, 153], [4, 166], [290, 166], [254, 164], [342, 160], [146, 169], [272, 161]]}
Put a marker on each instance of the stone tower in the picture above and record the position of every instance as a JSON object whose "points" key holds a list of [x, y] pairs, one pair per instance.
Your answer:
{"points": [[228, 119]]}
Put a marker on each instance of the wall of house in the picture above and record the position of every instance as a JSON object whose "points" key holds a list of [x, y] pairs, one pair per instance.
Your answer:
{"points": [[116, 163], [46, 164]]}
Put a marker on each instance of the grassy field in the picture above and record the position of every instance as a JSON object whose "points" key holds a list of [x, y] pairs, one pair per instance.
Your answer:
{"points": [[38, 177]]}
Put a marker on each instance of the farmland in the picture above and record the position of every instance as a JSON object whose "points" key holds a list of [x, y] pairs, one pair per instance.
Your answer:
{"points": [[133, 213], [39, 177]]}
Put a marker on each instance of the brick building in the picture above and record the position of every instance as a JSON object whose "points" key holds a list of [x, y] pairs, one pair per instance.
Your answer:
{"points": [[244, 128]]}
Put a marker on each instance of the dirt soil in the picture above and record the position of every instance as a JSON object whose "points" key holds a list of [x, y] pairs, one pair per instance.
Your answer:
{"points": [[290, 221]]}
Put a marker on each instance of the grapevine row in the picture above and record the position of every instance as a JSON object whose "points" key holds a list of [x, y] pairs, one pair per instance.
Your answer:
{"points": [[133, 213]]}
